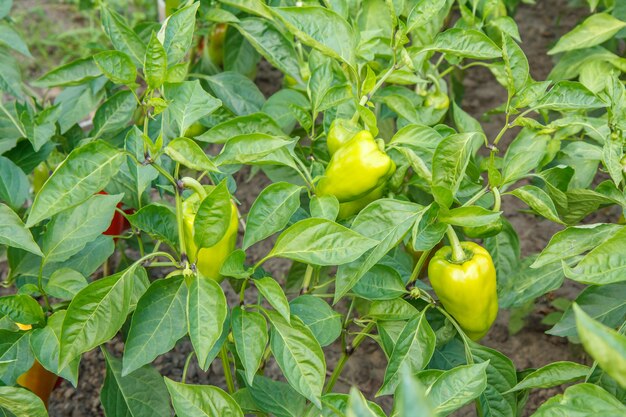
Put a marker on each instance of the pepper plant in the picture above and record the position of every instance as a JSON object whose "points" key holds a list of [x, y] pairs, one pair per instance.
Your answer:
{"points": [[120, 215]]}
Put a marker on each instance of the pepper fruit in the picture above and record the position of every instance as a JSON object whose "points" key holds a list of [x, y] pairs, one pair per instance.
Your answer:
{"points": [[40, 175], [356, 169], [467, 290], [216, 44], [351, 208], [119, 223], [208, 260], [339, 133], [38, 379]]}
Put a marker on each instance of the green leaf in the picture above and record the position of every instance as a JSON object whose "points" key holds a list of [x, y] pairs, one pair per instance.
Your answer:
{"points": [[358, 405], [141, 393], [241, 125], [604, 264], [595, 30], [20, 402], [385, 221], [271, 212], [157, 220], [201, 400], [325, 207], [605, 304], [12, 39], [188, 153], [316, 314], [250, 148], [74, 73], [10, 76], [46, 342], [206, 312], [271, 43], [96, 314], [213, 217], [158, 323], [501, 377], [410, 398], [251, 337], [321, 29], [574, 241], [381, 282], [14, 234], [21, 308], [122, 37], [273, 293], [188, 102], [238, 93], [413, 350], [88, 168], [65, 283], [320, 242], [604, 344], [155, 63], [69, 231], [15, 354], [465, 43], [116, 66], [538, 200], [524, 154], [552, 375], [277, 398], [114, 114], [515, 64], [457, 387], [524, 284], [177, 33], [299, 356], [582, 400], [396, 309], [568, 95], [423, 12], [470, 216], [449, 163]]}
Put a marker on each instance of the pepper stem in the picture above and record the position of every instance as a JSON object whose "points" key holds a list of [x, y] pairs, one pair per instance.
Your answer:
{"points": [[458, 254], [189, 182], [497, 199]]}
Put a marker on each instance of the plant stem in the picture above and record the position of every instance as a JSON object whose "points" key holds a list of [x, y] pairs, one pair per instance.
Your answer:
{"points": [[226, 365], [419, 265], [187, 362], [194, 185], [497, 199], [476, 197], [181, 227], [345, 355], [458, 254], [307, 279], [379, 84]]}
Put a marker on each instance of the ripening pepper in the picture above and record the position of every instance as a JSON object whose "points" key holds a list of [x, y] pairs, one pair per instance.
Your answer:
{"points": [[353, 207], [339, 133], [209, 260], [356, 169], [38, 379], [467, 290]]}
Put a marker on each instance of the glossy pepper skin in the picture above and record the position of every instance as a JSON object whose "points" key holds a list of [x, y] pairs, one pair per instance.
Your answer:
{"points": [[356, 169], [38, 379], [209, 260], [467, 290], [339, 133]]}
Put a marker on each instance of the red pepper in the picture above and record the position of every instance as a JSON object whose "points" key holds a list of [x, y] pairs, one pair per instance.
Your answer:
{"points": [[119, 223]]}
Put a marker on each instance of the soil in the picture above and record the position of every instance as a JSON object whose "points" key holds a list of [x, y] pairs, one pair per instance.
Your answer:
{"points": [[540, 25]]}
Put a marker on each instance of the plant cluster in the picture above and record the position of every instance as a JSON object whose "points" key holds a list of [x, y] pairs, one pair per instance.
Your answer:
{"points": [[379, 179]]}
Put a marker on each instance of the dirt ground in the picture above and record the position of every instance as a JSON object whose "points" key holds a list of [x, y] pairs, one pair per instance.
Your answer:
{"points": [[540, 25]]}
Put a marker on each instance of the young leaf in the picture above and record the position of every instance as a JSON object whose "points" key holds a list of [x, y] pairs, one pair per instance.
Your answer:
{"points": [[188, 102], [251, 337], [415, 347], [155, 63], [116, 66], [325, 207], [157, 220], [466, 43], [553, 374], [539, 201], [14, 234], [114, 114], [89, 168], [141, 393], [74, 73], [316, 314], [159, 321], [176, 34], [250, 148], [456, 387], [187, 152], [299, 356], [595, 30], [241, 125], [604, 344], [604, 264], [122, 37], [271, 211], [201, 400], [320, 242], [206, 312], [213, 217], [273, 293]]}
